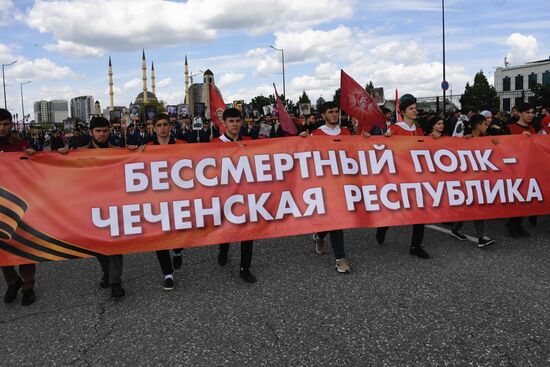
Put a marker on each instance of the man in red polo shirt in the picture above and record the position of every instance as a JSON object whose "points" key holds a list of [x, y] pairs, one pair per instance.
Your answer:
{"points": [[329, 113], [25, 278], [526, 113], [407, 127]]}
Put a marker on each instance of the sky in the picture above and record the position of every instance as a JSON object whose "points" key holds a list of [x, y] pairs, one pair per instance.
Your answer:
{"points": [[63, 46]]}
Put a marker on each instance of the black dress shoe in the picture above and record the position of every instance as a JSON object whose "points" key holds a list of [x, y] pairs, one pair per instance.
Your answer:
{"points": [[380, 236], [11, 292], [222, 258], [523, 232], [104, 281], [177, 261], [28, 297], [418, 251], [247, 276], [117, 291]]}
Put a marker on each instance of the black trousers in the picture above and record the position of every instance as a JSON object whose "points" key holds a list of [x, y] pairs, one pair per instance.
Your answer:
{"points": [[165, 261], [336, 241], [417, 235], [112, 265], [246, 252]]}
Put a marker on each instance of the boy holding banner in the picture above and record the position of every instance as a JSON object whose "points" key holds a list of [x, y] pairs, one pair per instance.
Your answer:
{"points": [[407, 127], [232, 121], [329, 113], [110, 265], [25, 278], [162, 128]]}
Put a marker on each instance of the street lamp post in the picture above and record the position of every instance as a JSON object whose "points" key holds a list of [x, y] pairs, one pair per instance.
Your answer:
{"points": [[283, 61], [22, 102], [4, 82], [443, 23]]}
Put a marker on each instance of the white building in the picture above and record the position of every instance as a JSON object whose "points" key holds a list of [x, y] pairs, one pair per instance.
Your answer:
{"points": [[82, 107], [514, 84], [41, 112]]}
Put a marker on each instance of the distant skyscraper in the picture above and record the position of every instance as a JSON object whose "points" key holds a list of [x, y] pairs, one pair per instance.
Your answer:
{"points": [[51, 111], [82, 107], [59, 110], [41, 112]]}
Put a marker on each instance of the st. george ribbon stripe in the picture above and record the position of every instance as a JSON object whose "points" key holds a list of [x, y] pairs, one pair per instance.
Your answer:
{"points": [[55, 241], [9, 204], [38, 247], [6, 247], [13, 198], [10, 213]]}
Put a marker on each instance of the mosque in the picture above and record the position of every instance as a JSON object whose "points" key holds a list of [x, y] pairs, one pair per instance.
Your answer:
{"points": [[194, 92]]}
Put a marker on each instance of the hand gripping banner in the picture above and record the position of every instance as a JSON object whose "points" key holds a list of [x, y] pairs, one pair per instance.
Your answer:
{"points": [[112, 201]]}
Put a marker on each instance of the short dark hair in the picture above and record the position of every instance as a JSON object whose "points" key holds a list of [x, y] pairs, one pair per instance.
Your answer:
{"points": [[525, 107], [476, 120], [98, 121], [160, 116], [5, 115], [327, 106], [434, 120], [231, 112]]}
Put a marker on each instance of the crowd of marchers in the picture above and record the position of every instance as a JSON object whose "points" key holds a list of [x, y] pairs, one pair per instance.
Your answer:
{"points": [[329, 120]]}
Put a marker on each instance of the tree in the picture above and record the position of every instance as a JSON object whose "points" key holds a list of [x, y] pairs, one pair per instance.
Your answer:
{"points": [[369, 87], [479, 96], [259, 102], [336, 97], [542, 95], [304, 98]]}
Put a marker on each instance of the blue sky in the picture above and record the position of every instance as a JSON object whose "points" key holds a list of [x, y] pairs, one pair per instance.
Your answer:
{"points": [[64, 46]]}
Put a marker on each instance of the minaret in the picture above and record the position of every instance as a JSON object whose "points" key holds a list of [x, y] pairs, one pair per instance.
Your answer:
{"points": [[111, 94], [208, 78], [144, 76], [186, 100], [153, 77]]}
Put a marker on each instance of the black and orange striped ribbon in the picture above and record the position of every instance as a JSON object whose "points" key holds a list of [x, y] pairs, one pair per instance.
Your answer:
{"points": [[20, 239]]}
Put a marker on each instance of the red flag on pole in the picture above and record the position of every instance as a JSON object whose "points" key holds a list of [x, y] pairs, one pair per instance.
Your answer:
{"points": [[288, 126], [355, 100], [217, 106], [398, 114]]}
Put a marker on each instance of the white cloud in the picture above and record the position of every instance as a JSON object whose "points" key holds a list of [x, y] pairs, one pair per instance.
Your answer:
{"points": [[164, 82], [6, 55], [314, 44], [267, 66], [73, 49], [229, 78], [42, 68], [132, 84], [522, 48], [125, 25], [7, 12]]}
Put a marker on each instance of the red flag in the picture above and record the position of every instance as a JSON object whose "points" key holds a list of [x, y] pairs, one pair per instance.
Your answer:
{"points": [[288, 126], [398, 114], [217, 106], [355, 100]]}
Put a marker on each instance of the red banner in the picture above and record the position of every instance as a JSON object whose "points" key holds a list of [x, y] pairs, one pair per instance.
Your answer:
{"points": [[217, 106], [108, 201], [288, 126], [355, 100]]}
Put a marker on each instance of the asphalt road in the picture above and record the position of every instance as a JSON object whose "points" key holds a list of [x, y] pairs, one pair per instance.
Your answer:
{"points": [[463, 307]]}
